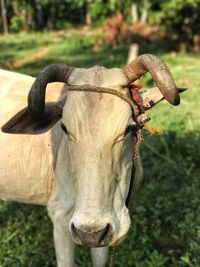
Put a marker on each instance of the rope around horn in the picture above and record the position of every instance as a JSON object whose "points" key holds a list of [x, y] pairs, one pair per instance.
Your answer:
{"points": [[138, 116]]}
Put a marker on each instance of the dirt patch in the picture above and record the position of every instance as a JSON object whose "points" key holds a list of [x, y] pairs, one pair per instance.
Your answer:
{"points": [[20, 63]]}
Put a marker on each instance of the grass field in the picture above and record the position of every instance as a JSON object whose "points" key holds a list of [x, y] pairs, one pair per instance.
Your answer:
{"points": [[166, 210]]}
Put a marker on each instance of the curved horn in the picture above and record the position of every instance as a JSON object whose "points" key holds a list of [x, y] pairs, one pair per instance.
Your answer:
{"points": [[159, 72], [36, 96]]}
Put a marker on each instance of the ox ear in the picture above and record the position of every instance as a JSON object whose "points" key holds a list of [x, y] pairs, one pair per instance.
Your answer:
{"points": [[152, 96], [21, 123]]}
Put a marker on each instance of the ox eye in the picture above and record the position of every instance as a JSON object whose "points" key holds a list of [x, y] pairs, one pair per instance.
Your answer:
{"points": [[64, 128], [130, 130]]}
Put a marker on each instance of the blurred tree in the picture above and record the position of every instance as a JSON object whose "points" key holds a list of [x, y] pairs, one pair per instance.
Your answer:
{"points": [[181, 21], [39, 14], [4, 16], [139, 10], [20, 15], [53, 14]]}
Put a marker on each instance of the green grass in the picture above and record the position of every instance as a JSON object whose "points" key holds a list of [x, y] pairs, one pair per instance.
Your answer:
{"points": [[166, 210]]}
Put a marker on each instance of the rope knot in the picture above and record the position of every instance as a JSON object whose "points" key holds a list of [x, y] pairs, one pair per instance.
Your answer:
{"points": [[141, 117]]}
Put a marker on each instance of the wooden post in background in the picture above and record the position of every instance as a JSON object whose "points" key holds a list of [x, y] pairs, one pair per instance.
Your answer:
{"points": [[133, 52]]}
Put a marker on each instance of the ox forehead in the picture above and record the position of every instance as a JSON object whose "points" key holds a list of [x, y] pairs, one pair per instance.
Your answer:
{"points": [[93, 116]]}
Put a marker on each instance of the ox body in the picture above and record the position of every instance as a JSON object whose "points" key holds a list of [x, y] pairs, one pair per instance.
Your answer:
{"points": [[81, 168]]}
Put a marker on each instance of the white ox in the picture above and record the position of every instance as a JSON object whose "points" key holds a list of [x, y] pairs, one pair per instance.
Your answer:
{"points": [[80, 169]]}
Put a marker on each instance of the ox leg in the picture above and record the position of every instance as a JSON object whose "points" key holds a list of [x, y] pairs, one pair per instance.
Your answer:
{"points": [[99, 256], [64, 244]]}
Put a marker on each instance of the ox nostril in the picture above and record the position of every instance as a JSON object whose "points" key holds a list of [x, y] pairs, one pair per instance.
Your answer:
{"points": [[94, 238], [77, 234], [73, 229], [106, 234]]}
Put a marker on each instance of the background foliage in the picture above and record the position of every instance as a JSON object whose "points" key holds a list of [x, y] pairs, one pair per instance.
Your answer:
{"points": [[56, 14]]}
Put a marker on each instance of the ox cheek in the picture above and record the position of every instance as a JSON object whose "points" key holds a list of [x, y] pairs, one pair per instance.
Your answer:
{"points": [[122, 165], [123, 222]]}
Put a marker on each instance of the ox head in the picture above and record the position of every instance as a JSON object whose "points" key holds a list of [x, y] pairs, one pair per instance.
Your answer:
{"points": [[97, 138]]}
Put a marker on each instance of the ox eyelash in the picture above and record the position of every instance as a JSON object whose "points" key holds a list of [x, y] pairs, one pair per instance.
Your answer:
{"points": [[70, 136], [131, 129], [64, 128]]}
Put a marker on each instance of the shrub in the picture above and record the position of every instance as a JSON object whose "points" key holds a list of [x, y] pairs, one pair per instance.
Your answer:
{"points": [[16, 24], [181, 21]]}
